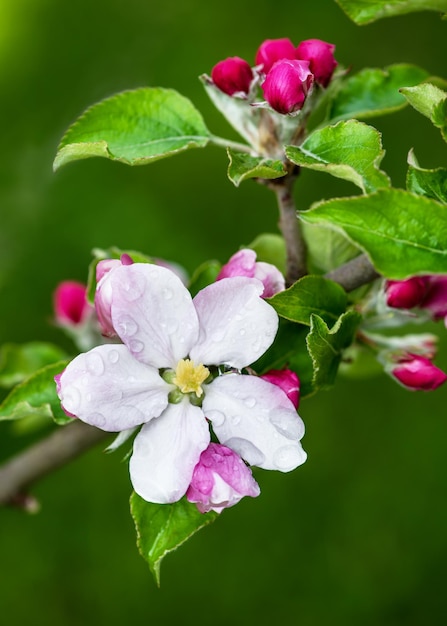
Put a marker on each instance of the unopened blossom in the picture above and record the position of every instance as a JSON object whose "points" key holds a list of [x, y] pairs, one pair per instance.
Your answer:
{"points": [[418, 373], [435, 298], [287, 85], [405, 294], [288, 381], [243, 263], [220, 480], [103, 297], [273, 50], [320, 55], [233, 76], [70, 303], [179, 366]]}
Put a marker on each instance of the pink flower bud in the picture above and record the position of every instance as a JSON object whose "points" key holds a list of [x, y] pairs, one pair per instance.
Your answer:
{"points": [[405, 294], [435, 299], [244, 263], [272, 50], [288, 381], [320, 55], [103, 295], [220, 480], [418, 373], [232, 76], [70, 303], [287, 84]]}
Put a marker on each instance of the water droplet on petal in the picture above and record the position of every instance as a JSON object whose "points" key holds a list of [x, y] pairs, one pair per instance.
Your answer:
{"points": [[134, 287], [94, 363], [97, 419], [250, 402], [126, 326], [218, 336], [114, 356], [235, 420], [242, 332], [136, 346], [216, 417], [289, 457], [71, 399], [171, 326], [247, 450], [167, 293]]}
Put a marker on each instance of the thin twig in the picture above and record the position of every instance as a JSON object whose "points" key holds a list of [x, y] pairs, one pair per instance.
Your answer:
{"points": [[355, 273], [60, 447]]}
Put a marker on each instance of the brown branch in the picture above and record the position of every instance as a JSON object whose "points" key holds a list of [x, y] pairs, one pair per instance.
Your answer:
{"points": [[355, 273], [63, 445]]}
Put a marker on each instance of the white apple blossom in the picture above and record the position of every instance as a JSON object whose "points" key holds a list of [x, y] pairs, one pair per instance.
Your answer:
{"points": [[180, 362]]}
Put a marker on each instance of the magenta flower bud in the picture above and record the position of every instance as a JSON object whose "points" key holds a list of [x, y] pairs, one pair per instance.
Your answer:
{"points": [[244, 263], [103, 295], [435, 299], [418, 373], [288, 381], [70, 303], [287, 84], [405, 294], [320, 55], [220, 480], [273, 50], [232, 76]]}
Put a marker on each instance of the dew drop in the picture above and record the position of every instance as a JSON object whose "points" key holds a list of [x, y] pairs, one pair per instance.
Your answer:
{"points": [[127, 326], [167, 293], [94, 363], [218, 336], [71, 400], [235, 420], [134, 286], [171, 326], [289, 457], [114, 356], [97, 419], [287, 423], [250, 402], [242, 332], [217, 418], [136, 346]]}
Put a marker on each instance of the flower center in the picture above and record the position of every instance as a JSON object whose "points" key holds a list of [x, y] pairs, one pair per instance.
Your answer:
{"points": [[189, 377]]}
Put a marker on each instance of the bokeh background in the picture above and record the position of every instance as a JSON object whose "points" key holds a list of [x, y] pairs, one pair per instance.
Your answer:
{"points": [[355, 536]]}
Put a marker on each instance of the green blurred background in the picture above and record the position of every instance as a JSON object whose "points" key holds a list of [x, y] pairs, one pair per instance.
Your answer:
{"points": [[355, 536]]}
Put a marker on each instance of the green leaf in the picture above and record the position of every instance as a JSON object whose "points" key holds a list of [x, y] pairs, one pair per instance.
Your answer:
{"points": [[350, 150], [135, 127], [431, 101], [18, 361], [375, 91], [326, 346], [326, 249], [242, 166], [161, 528], [289, 350], [309, 295], [403, 234], [430, 183], [366, 11], [204, 275], [270, 248], [36, 395]]}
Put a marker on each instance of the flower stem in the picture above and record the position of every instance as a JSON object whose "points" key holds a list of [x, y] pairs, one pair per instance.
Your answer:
{"points": [[226, 143]]}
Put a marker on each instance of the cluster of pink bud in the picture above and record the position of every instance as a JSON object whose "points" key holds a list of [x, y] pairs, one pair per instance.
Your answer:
{"points": [[287, 73], [70, 304], [424, 292], [244, 263]]}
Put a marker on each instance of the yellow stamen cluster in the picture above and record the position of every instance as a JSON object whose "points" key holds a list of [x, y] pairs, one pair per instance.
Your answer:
{"points": [[189, 377]]}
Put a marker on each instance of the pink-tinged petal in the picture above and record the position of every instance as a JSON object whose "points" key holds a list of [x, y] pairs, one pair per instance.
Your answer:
{"points": [[70, 303], [153, 314], [108, 388], [270, 277], [243, 263], [257, 420], [288, 381], [166, 451], [220, 480], [236, 325], [272, 50]]}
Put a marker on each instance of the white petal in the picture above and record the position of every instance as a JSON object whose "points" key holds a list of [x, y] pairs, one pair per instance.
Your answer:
{"points": [[257, 420], [108, 388], [166, 452], [153, 313], [236, 325]]}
